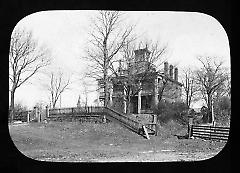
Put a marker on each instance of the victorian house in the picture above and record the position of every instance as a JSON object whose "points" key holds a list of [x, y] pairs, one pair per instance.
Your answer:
{"points": [[155, 86]]}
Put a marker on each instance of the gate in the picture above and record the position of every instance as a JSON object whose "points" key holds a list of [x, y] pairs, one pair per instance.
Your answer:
{"points": [[209, 132]]}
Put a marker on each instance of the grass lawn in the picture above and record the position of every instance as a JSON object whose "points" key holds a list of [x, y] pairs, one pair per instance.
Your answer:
{"points": [[110, 142]]}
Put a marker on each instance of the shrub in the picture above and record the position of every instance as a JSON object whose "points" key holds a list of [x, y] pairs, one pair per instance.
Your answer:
{"points": [[167, 111], [222, 111]]}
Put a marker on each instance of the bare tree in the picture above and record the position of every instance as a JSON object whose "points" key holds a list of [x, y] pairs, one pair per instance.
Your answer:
{"points": [[57, 85], [86, 90], [108, 37], [132, 75], [225, 89], [228, 84], [164, 86], [210, 77], [222, 99], [19, 107], [189, 85], [25, 60], [41, 106]]}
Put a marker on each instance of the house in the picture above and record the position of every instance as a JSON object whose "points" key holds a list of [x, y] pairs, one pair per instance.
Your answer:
{"points": [[151, 84]]}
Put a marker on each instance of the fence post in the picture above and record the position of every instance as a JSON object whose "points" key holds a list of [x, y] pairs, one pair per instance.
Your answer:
{"points": [[47, 111], [155, 121], [145, 131], [39, 115], [28, 117], [214, 123], [35, 112], [104, 119], [190, 127], [156, 129], [210, 133]]}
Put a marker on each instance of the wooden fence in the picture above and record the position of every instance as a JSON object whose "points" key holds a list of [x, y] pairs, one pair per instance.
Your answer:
{"points": [[24, 116], [30, 115], [21, 116], [99, 111], [74, 111], [209, 132], [128, 122]]}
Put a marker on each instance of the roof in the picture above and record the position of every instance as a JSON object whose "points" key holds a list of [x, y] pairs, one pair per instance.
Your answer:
{"points": [[139, 51], [152, 74]]}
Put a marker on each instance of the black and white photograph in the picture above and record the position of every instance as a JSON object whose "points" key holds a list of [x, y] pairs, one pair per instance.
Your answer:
{"points": [[119, 86]]}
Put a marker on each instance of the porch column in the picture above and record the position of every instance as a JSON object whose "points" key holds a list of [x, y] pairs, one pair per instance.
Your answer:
{"points": [[139, 101], [156, 92]]}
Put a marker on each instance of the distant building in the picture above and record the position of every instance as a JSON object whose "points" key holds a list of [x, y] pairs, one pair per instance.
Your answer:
{"points": [[149, 95]]}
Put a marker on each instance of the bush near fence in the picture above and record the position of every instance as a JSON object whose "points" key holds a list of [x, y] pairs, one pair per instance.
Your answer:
{"points": [[167, 111]]}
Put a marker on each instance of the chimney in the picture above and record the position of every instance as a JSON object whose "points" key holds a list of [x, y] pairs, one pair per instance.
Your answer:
{"points": [[176, 74], [165, 68], [171, 71]]}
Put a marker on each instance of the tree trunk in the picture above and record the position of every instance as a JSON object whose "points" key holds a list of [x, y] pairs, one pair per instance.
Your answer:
{"points": [[12, 112], [105, 68], [105, 83], [105, 92], [209, 105], [54, 104], [160, 97], [187, 101], [128, 101], [128, 106]]}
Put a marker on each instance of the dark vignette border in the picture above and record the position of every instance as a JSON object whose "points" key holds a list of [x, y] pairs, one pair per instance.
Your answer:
{"points": [[13, 11]]}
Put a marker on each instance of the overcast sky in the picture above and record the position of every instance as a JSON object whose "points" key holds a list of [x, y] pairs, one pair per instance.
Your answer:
{"points": [[187, 35]]}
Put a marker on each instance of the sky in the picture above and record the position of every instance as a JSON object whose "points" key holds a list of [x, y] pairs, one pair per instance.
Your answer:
{"points": [[186, 34]]}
